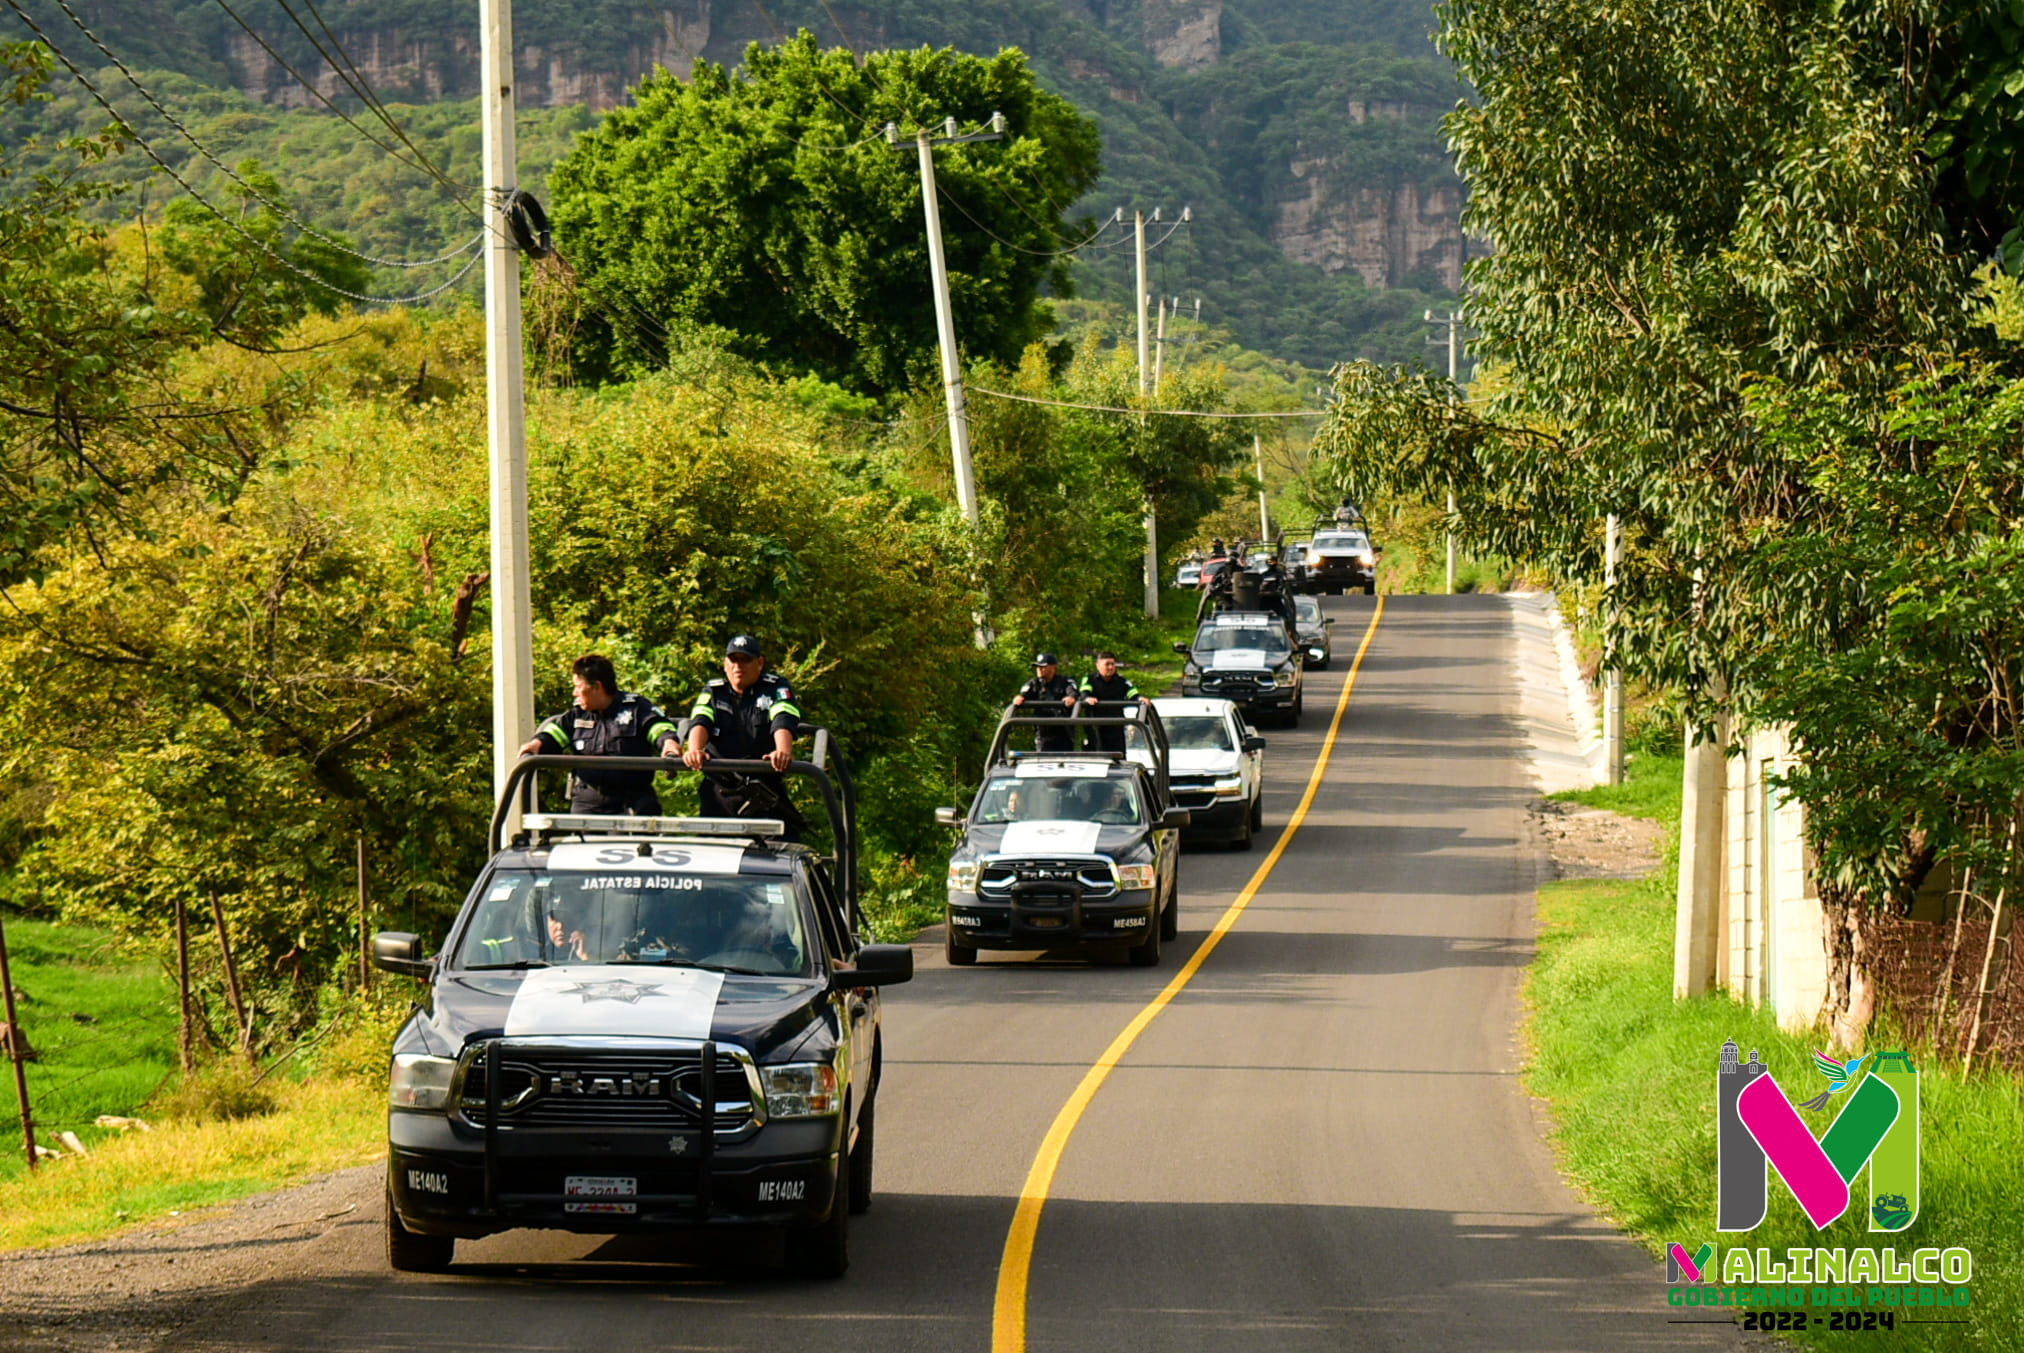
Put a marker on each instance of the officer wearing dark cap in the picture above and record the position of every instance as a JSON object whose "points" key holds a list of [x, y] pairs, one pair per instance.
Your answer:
{"points": [[1051, 695], [748, 714], [606, 721]]}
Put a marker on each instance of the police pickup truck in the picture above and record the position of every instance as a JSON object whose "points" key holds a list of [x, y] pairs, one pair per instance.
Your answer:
{"points": [[641, 1024], [1247, 658], [1068, 850]]}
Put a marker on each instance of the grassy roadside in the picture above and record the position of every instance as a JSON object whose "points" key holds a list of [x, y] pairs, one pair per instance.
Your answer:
{"points": [[1628, 1073]]}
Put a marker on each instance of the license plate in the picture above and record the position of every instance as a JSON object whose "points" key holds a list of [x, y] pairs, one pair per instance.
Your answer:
{"points": [[599, 1186], [603, 1208], [1045, 922]]}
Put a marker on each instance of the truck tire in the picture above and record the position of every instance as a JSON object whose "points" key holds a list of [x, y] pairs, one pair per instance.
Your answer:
{"points": [[1170, 919], [1146, 953], [823, 1250], [412, 1252], [861, 1158], [959, 955], [1242, 840], [1370, 588], [1258, 813]]}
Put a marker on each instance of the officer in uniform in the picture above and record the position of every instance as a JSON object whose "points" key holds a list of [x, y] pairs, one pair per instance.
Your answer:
{"points": [[748, 714], [1051, 695], [1106, 691], [606, 721]]}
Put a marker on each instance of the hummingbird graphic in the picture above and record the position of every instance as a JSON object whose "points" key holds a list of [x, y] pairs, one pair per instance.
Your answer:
{"points": [[1840, 1075]]}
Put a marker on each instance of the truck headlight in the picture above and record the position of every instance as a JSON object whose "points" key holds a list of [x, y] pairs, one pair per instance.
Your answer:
{"points": [[799, 1089], [1190, 672], [1282, 676], [1367, 559], [1134, 877], [420, 1081], [963, 876], [1228, 789]]}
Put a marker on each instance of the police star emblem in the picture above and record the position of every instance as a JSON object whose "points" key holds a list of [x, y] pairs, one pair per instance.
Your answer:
{"points": [[616, 989]]}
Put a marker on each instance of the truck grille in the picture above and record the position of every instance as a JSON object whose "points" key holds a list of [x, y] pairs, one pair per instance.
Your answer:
{"points": [[1093, 876], [653, 1088]]}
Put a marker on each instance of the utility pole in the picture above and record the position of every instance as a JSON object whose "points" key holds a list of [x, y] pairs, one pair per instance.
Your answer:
{"points": [[945, 315], [506, 429], [1160, 343], [1612, 688], [1152, 568], [1453, 323], [17, 1051], [1258, 463]]}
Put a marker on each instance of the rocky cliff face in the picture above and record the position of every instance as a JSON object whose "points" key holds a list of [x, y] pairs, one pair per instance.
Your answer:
{"points": [[1183, 34], [1386, 234]]}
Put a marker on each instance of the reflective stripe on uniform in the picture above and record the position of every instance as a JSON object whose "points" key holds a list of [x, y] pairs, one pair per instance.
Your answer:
{"points": [[783, 707], [660, 728], [550, 730], [703, 709]]}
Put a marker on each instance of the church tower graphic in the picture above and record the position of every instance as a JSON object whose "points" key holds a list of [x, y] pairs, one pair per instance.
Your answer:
{"points": [[1741, 1178]]}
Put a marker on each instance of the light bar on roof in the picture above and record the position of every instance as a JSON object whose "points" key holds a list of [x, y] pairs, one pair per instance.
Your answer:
{"points": [[622, 824]]}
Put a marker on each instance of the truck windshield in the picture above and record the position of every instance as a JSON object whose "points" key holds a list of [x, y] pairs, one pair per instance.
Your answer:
{"points": [[1214, 638], [1198, 733], [1012, 798], [1343, 542], [538, 918]]}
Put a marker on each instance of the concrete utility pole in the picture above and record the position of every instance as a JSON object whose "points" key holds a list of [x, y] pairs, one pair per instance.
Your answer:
{"points": [[945, 328], [945, 316], [1453, 322], [512, 616], [1258, 463], [1612, 688], [1160, 343], [1152, 567]]}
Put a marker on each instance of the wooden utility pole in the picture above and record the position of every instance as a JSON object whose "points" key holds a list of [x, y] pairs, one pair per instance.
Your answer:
{"points": [[232, 990], [1612, 686], [183, 1032], [17, 1051], [512, 613], [364, 928]]}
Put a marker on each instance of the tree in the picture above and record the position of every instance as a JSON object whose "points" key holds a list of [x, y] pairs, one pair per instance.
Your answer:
{"points": [[767, 204], [1718, 232]]}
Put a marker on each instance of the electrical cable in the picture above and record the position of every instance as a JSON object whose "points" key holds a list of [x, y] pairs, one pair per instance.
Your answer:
{"points": [[462, 194], [233, 174], [1087, 243], [346, 70], [206, 203], [1165, 413]]}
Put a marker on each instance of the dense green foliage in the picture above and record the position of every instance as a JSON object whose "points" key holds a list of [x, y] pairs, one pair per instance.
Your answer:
{"points": [[766, 202], [1156, 124], [1733, 301]]}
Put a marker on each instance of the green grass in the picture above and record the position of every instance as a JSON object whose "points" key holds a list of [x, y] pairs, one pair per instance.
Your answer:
{"points": [[102, 1024], [1650, 789], [1628, 1073]]}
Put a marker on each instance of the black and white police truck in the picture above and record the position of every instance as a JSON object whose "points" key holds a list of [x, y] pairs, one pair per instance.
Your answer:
{"points": [[643, 1023], [1069, 850]]}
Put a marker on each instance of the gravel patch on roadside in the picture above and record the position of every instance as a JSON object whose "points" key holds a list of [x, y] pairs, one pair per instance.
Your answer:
{"points": [[137, 1290]]}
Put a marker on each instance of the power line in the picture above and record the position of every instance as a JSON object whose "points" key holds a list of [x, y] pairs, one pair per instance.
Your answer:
{"points": [[346, 71], [258, 243], [233, 174], [461, 192], [1167, 413], [1088, 242]]}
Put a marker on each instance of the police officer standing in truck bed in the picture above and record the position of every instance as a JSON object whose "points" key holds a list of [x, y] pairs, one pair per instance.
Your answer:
{"points": [[606, 721], [748, 714]]}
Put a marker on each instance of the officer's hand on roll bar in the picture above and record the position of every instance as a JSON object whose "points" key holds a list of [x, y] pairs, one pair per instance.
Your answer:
{"points": [[698, 750], [532, 746], [782, 754]]}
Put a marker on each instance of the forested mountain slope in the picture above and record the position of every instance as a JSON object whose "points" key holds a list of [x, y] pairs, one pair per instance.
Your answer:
{"points": [[1304, 133]]}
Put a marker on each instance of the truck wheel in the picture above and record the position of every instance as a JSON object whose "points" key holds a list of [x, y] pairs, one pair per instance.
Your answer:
{"points": [[1258, 813], [823, 1250], [1170, 919], [1370, 588], [1146, 953], [1242, 841], [410, 1251], [959, 955], [861, 1159]]}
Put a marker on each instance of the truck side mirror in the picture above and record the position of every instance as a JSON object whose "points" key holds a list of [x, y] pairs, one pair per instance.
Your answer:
{"points": [[1254, 743], [398, 951], [1181, 648], [878, 965], [1175, 818], [948, 817]]}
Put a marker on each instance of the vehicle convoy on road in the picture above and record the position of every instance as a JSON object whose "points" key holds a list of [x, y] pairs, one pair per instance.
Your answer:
{"points": [[1311, 632], [1216, 768], [1247, 658], [643, 1023], [1069, 850]]}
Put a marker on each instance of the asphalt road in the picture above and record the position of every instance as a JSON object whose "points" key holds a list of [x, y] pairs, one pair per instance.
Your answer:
{"points": [[1320, 1144]]}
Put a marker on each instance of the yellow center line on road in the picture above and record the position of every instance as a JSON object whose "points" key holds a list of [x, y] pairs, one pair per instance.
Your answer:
{"points": [[1008, 1316]]}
